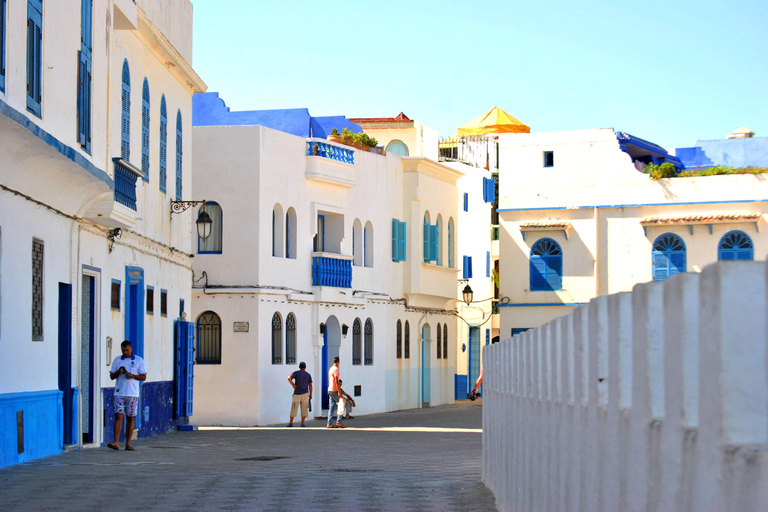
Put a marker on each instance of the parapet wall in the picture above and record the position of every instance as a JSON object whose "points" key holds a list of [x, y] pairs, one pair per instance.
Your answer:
{"points": [[655, 399]]}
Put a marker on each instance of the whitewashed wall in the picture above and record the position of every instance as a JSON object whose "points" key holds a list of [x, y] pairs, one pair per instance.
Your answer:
{"points": [[655, 399]]}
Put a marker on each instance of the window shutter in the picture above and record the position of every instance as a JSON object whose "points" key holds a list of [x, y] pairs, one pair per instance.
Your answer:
{"points": [[660, 266], [466, 202], [81, 99], [489, 191], [395, 241], [676, 263], [433, 242], [401, 241], [163, 144], [554, 272], [467, 267], [538, 279], [488, 264], [2, 45], [34, 55], [125, 134], [145, 131], [426, 241], [178, 156]]}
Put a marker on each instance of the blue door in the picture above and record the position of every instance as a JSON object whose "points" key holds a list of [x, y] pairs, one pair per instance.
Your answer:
{"points": [[474, 356], [426, 373], [65, 361], [134, 321], [87, 358], [324, 370], [184, 373]]}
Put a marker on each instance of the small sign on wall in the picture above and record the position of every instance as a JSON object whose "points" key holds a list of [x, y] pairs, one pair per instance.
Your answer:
{"points": [[241, 326]]}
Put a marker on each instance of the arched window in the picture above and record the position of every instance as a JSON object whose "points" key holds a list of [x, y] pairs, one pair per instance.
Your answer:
{"points": [[399, 334], [212, 244], [430, 239], [407, 341], [208, 338], [368, 350], [125, 129], [445, 340], [546, 266], [357, 332], [668, 256], [439, 240], [451, 236], [357, 243], [163, 144], [397, 148], [439, 342], [735, 245], [277, 339], [290, 339], [145, 130], [277, 231], [178, 155], [290, 234], [368, 244]]}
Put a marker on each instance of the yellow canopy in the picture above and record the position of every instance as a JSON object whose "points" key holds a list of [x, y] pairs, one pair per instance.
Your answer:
{"points": [[493, 121]]}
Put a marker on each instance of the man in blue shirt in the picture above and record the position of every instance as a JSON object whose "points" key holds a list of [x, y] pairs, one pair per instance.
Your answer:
{"points": [[302, 392]]}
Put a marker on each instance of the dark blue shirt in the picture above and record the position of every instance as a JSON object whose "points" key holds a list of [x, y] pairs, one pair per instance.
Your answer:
{"points": [[303, 380]]}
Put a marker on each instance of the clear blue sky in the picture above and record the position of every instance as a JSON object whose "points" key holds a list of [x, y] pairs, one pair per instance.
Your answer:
{"points": [[670, 72]]}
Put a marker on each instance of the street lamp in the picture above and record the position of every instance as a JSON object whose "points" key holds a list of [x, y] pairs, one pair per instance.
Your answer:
{"points": [[204, 224], [467, 294]]}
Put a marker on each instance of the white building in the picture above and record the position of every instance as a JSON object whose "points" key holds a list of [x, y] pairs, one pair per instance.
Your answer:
{"points": [[317, 250], [579, 219], [91, 255]]}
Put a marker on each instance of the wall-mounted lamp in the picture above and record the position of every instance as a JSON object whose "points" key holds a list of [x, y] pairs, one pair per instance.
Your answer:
{"points": [[322, 328], [344, 329], [204, 224], [112, 235], [466, 293]]}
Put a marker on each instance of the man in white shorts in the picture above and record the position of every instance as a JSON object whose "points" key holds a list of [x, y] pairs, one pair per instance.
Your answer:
{"points": [[128, 369]]}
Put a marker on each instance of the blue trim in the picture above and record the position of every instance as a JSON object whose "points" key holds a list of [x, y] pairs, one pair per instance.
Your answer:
{"points": [[134, 313], [638, 205], [56, 144], [43, 425], [541, 304], [94, 269]]}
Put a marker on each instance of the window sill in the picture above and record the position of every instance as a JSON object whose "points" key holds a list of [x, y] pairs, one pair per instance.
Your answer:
{"points": [[440, 268]]}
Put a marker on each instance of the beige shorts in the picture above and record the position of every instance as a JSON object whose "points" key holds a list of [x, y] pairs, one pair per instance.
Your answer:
{"points": [[304, 401]]}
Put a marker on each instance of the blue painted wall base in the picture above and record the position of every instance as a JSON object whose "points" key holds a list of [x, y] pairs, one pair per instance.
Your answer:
{"points": [[43, 425], [461, 387], [155, 411]]}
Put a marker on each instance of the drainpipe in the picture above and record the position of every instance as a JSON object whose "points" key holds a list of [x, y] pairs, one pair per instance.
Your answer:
{"points": [[597, 254]]}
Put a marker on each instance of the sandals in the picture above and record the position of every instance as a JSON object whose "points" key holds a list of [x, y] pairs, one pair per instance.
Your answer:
{"points": [[114, 446]]}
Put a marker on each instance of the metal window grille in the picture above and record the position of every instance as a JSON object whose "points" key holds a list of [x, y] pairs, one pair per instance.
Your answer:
{"points": [[209, 338], [277, 339], [445, 340], [116, 296], [735, 245], [439, 342], [37, 290], [399, 339], [164, 303], [368, 349], [150, 301], [356, 341], [290, 339], [407, 341]]}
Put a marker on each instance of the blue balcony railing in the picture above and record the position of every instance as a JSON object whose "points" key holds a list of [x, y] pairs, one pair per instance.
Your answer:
{"points": [[330, 151], [328, 270], [125, 183]]}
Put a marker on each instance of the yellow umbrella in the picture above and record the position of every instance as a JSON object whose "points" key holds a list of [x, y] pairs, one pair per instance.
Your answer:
{"points": [[493, 121]]}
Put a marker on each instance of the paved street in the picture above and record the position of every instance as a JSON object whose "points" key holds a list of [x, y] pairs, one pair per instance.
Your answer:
{"points": [[428, 459]]}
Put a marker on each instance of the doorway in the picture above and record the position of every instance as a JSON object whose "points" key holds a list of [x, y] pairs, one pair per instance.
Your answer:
{"points": [[426, 371], [65, 361], [331, 348], [87, 356], [474, 356], [134, 322]]}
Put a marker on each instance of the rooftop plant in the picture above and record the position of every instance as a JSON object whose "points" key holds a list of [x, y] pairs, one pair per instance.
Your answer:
{"points": [[667, 170]]}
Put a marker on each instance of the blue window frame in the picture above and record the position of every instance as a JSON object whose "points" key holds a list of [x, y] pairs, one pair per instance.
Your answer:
{"points": [[398, 240], [2, 45], [430, 241], [125, 124], [397, 147], [668, 256], [163, 144], [208, 338], [467, 267], [150, 299], [34, 56], [735, 245], [450, 244], [84, 75], [466, 202], [489, 190], [546, 266], [212, 244], [518, 330], [178, 155], [549, 159], [145, 130]]}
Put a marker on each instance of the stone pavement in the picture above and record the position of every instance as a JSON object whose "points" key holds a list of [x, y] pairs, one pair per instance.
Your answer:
{"points": [[422, 459]]}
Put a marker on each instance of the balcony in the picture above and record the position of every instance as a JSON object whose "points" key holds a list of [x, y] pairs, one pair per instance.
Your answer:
{"points": [[330, 163], [125, 183], [331, 270]]}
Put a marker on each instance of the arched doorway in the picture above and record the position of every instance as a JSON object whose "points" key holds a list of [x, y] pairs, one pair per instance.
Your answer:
{"points": [[331, 346], [426, 374]]}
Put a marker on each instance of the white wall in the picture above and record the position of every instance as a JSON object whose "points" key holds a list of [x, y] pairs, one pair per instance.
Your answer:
{"points": [[655, 399]]}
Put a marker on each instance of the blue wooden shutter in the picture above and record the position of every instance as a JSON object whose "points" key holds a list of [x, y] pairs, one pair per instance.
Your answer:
{"points": [[190, 370], [34, 55], [538, 271], [676, 262], [401, 230], [145, 130], [84, 75], [398, 240], [163, 144], [488, 264], [660, 266], [489, 190], [395, 245], [2, 45], [178, 155], [426, 240], [554, 265], [467, 267], [433, 242], [179, 367], [125, 125], [466, 202]]}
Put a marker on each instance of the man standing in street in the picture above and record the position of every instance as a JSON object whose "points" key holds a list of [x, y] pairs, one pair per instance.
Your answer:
{"points": [[128, 369], [334, 389], [301, 381]]}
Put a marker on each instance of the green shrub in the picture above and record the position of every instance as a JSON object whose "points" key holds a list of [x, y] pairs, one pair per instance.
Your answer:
{"points": [[667, 170]]}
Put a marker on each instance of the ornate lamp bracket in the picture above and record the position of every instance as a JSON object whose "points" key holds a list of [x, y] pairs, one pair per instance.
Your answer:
{"points": [[182, 206]]}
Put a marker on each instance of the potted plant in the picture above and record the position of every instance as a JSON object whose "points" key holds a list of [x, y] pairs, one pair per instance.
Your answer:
{"points": [[347, 136], [357, 140], [315, 149], [334, 136]]}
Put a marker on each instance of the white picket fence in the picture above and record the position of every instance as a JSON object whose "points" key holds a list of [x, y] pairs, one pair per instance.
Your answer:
{"points": [[650, 400]]}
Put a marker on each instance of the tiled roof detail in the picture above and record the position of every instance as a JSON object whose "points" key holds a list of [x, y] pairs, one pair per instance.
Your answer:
{"points": [[545, 225], [400, 118], [702, 219]]}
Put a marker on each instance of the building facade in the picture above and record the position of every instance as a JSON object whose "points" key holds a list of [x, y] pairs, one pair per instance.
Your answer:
{"points": [[579, 220], [318, 250], [95, 145]]}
